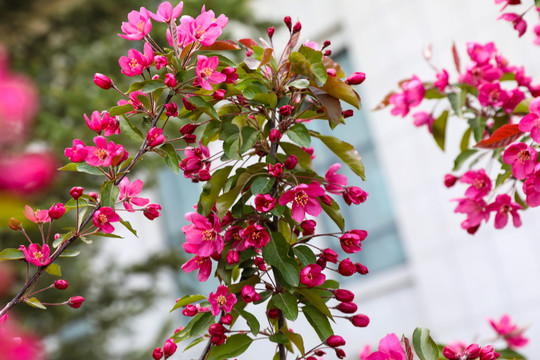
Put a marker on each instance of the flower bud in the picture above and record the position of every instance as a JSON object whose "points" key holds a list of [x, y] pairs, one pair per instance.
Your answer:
{"points": [[169, 348], [487, 353], [327, 52], [93, 195], [102, 81], [151, 211], [187, 104], [356, 79], [344, 295], [272, 313], [291, 162], [155, 137], [335, 341], [75, 301], [360, 320], [326, 44], [450, 180], [157, 354], [308, 227], [171, 109], [326, 199], [320, 352], [321, 262], [170, 80], [76, 192], [249, 294], [217, 329], [276, 170], [340, 353], [259, 262], [473, 351], [347, 113], [346, 267], [219, 94], [449, 353], [188, 129], [161, 61], [361, 269], [15, 224], [347, 307], [286, 110], [275, 135], [232, 257], [57, 211], [288, 22], [330, 255], [331, 72], [297, 27], [227, 319], [61, 284], [190, 310], [270, 31]]}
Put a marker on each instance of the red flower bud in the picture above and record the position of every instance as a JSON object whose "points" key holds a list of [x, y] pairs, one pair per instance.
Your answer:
{"points": [[217, 330], [360, 320], [320, 352], [344, 295], [102, 81], [188, 129], [157, 354], [169, 348], [75, 301], [15, 224], [330, 255], [190, 310], [151, 211], [61, 284], [361, 269], [270, 31], [170, 80], [286, 110], [272, 313], [171, 109], [327, 52], [449, 353], [335, 341], [325, 198], [340, 353], [356, 79], [450, 180], [347, 307], [308, 227], [93, 195], [187, 104], [259, 262], [227, 319], [275, 135], [326, 44], [76, 192], [347, 113], [346, 267], [288, 22], [297, 27], [474, 350], [291, 162], [219, 94]]}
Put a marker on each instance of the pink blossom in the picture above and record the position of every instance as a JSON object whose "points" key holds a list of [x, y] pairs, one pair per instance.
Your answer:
{"points": [[206, 71], [511, 333], [346, 267], [507, 2], [515, 96], [304, 199], [17, 345], [78, 152], [491, 94], [204, 29], [481, 54], [312, 275], [264, 202], [312, 45], [249, 294], [255, 235], [442, 80], [195, 161], [537, 33], [502, 206], [356, 78], [519, 24], [221, 300], [137, 105], [531, 121], [354, 195], [129, 192], [275, 170], [423, 118], [480, 183], [155, 137], [103, 218], [476, 211], [36, 254], [476, 74], [138, 26], [335, 182], [98, 121], [412, 95], [38, 216], [203, 264], [104, 154], [389, 348], [351, 241], [169, 348], [136, 62], [57, 211], [161, 61], [203, 235], [522, 157], [170, 80], [166, 12]]}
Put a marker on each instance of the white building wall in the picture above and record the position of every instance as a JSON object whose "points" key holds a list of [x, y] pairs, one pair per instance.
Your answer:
{"points": [[453, 281]]}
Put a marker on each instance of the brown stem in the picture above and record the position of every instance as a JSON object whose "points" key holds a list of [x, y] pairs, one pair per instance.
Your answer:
{"points": [[18, 298]]}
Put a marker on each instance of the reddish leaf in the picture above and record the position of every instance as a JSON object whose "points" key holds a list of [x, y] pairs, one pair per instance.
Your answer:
{"points": [[222, 45], [332, 105], [503, 136], [331, 64], [407, 346], [267, 57], [248, 42], [385, 102], [456, 57]]}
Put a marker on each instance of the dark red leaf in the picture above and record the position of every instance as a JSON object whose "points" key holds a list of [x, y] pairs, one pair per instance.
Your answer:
{"points": [[248, 42], [456, 57], [503, 136], [385, 102], [407, 346], [222, 45]]}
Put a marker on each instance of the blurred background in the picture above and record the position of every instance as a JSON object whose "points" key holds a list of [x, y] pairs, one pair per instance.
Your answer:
{"points": [[424, 269]]}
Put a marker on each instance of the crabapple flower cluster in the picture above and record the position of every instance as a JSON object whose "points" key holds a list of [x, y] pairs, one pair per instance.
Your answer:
{"points": [[517, 19], [498, 102]]}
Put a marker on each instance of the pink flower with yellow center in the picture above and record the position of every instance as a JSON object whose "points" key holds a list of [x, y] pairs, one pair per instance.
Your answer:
{"points": [[36, 254], [128, 194], [312, 276], [138, 26], [38, 216], [203, 235], [480, 184], [256, 235], [166, 12], [104, 154], [136, 62], [522, 157], [206, 72], [304, 200], [221, 300], [502, 206], [203, 264], [335, 183], [103, 218], [206, 28], [531, 121]]}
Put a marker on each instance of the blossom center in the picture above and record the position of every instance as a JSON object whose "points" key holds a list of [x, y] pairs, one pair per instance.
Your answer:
{"points": [[207, 72], [101, 154], [479, 184], [301, 198], [207, 235], [140, 25], [524, 156], [221, 300], [133, 63], [38, 255], [102, 218]]}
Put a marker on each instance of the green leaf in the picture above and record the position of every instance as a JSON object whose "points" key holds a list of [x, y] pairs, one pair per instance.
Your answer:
{"points": [[331, 103], [109, 194], [434, 93], [456, 102], [300, 135], [305, 255], [287, 303], [464, 144], [334, 212], [342, 91], [194, 343], [424, 346], [314, 57], [34, 302], [119, 110], [279, 338], [202, 324], [509, 353], [204, 106], [249, 138], [277, 254], [345, 151], [171, 157], [231, 146], [186, 300], [54, 269], [81, 167], [461, 158], [318, 321], [233, 346], [439, 129], [61, 240], [295, 338], [205, 318], [478, 125], [262, 185], [153, 85], [70, 253], [252, 321], [523, 107], [268, 99], [136, 86], [212, 189], [315, 299], [11, 254], [128, 226], [299, 84], [127, 128], [113, 236], [304, 159]]}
